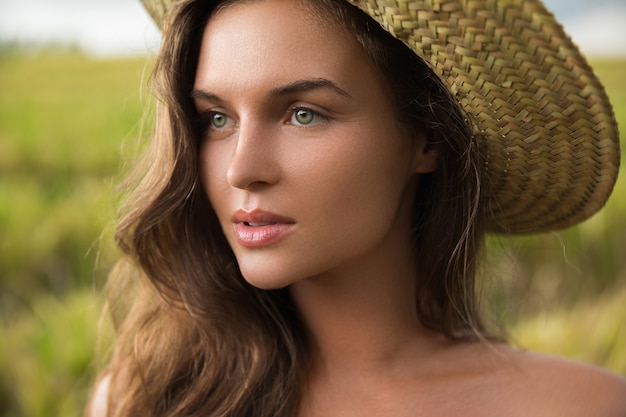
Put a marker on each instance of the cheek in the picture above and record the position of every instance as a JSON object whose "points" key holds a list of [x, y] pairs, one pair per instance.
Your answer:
{"points": [[362, 179], [213, 165], [373, 161]]}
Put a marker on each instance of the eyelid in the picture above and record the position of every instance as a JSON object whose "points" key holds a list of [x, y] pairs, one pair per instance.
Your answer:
{"points": [[205, 122], [320, 114], [206, 113]]}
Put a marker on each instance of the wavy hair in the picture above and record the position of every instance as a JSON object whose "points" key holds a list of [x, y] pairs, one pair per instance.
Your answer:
{"points": [[193, 338]]}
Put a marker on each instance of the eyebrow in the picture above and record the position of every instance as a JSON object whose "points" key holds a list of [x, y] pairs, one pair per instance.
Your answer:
{"points": [[307, 85], [283, 90], [205, 95]]}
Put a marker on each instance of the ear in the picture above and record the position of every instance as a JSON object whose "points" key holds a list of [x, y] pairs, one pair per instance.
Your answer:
{"points": [[425, 156]]}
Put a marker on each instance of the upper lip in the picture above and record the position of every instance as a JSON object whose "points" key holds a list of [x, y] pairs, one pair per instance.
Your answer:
{"points": [[259, 216]]}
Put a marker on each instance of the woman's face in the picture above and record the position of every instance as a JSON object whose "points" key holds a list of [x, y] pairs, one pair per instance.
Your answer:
{"points": [[302, 159]]}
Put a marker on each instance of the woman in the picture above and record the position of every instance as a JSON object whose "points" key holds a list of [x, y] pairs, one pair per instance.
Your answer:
{"points": [[304, 238]]}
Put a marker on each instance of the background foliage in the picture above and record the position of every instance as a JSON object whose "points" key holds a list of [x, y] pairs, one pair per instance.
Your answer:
{"points": [[67, 122]]}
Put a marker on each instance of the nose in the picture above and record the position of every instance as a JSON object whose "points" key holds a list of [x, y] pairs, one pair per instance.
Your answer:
{"points": [[254, 160]]}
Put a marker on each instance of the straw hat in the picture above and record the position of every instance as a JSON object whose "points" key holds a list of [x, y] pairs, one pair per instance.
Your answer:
{"points": [[551, 139]]}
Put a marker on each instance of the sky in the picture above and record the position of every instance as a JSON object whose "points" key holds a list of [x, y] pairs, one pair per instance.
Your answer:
{"points": [[122, 27]]}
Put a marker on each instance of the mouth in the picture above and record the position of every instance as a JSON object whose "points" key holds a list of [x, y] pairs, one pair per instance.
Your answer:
{"points": [[258, 228], [259, 218], [258, 224]]}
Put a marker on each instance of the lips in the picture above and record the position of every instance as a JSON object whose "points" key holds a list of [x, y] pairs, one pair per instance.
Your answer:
{"points": [[258, 224], [258, 228]]}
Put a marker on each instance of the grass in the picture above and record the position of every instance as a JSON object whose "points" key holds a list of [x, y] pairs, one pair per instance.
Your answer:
{"points": [[592, 331], [64, 122], [67, 121], [47, 356]]}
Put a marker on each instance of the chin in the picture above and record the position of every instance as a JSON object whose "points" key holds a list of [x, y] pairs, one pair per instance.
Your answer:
{"points": [[264, 278], [266, 283]]}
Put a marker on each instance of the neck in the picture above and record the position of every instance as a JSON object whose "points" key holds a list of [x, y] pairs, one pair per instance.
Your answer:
{"points": [[362, 318]]}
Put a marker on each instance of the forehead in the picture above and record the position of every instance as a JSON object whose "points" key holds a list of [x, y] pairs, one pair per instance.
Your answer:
{"points": [[273, 39], [315, 13]]}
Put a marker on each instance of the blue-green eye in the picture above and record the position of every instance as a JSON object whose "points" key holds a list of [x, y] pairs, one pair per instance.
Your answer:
{"points": [[218, 120], [303, 116]]}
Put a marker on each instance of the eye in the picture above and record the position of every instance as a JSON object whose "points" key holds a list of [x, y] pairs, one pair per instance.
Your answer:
{"points": [[303, 116], [218, 120]]}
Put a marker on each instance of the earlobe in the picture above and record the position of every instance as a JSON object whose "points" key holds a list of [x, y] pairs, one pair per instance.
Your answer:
{"points": [[425, 159]]}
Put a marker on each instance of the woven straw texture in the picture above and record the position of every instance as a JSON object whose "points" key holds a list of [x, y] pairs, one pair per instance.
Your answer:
{"points": [[543, 121]]}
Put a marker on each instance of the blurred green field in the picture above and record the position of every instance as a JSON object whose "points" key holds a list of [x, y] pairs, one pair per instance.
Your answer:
{"points": [[67, 122]]}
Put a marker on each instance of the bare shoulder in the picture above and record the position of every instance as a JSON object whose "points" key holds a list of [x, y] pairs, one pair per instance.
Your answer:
{"points": [[483, 379], [558, 386], [98, 403]]}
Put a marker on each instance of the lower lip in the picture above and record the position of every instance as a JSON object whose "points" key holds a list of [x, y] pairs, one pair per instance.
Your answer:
{"points": [[256, 237]]}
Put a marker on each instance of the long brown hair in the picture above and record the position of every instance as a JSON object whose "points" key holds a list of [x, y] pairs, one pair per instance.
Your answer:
{"points": [[194, 339]]}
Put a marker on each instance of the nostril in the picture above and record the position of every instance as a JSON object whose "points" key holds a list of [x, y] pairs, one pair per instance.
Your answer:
{"points": [[250, 167]]}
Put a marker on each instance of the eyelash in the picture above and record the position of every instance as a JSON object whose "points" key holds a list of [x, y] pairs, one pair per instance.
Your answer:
{"points": [[205, 119], [317, 116]]}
